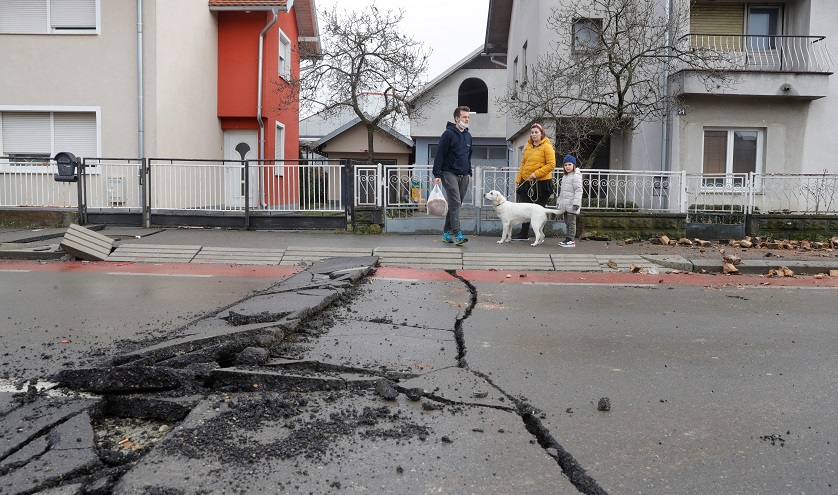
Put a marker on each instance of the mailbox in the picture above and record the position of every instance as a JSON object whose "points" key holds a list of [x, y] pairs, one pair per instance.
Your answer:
{"points": [[67, 163]]}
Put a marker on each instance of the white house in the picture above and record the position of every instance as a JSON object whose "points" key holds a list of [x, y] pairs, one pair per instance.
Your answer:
{"points": [[476, 81], [775, 118]]}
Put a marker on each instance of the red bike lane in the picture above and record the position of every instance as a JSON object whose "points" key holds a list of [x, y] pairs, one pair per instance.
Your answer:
{"points": [[407, 273]]}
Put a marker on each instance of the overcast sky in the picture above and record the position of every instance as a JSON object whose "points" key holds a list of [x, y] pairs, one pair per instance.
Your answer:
{"points": [[451, 28]]}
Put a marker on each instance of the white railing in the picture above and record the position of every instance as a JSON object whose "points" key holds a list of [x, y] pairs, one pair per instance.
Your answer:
{"points": [[233, 186], [632, 190], [400, 190], [765, 53], [113, 184], [794, 194], [30, 183]]}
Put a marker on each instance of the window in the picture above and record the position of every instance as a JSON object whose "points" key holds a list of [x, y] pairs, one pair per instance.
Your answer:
{"points": [[481, 155], [49, 16], [279, 149], [763, 27], [515, 77], [730, 154], [474, 94], [29, 138], [284, 57], [586, 34], [524, 77]]}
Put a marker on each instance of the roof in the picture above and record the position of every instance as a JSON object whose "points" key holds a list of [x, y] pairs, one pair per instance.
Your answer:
{"points": [[305, 13], [447, 72], [497, 26], [249, 4], [349, 125]]}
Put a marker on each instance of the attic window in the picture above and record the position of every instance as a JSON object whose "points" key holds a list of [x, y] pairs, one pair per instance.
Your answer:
{"points": [[474, 94]]}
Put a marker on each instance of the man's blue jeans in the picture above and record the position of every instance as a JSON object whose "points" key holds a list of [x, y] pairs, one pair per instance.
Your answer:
{"points": [[456, 187]]}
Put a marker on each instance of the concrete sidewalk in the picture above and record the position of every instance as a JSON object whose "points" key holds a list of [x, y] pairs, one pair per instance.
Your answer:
{"points": [[298, 248]]}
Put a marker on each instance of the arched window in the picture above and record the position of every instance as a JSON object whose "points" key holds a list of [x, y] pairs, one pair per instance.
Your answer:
{"points": [[474, 94]]}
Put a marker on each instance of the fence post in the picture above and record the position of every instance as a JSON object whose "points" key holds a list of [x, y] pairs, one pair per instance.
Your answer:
{"points": [[82, 193], [348, 192], [380, 185], [685, 194], [246, 164], [145, 201]]}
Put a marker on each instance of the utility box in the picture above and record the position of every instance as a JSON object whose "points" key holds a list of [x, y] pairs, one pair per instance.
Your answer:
{"points": [[67, 163]]}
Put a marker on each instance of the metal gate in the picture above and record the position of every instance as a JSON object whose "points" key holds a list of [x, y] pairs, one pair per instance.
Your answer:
{"points": [[717, 205]]}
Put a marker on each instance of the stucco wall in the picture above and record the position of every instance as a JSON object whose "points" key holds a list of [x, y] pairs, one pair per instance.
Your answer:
{"points": [[55, 72], [785, 123], [184, 105]]}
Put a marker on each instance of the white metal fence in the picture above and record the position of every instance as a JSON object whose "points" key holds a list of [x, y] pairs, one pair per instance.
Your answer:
{"points": [[766, 53], [232, 186], [400, 190]]}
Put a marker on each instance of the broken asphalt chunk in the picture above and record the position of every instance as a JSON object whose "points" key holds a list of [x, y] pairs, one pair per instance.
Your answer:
{"points": [[119, 379], [386, 389]]}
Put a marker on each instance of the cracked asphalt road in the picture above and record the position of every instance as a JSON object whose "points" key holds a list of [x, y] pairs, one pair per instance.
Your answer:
{"points": [[714, 389]]}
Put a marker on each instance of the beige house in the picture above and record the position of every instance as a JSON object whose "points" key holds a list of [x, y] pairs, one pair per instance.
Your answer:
{"points": [[774, 118]]}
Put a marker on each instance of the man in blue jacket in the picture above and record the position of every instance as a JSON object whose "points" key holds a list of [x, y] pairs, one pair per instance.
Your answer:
{"points": [[452, 169]]}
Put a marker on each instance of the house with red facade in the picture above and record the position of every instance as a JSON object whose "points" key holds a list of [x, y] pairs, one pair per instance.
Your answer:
{"points": [[138, 79]]}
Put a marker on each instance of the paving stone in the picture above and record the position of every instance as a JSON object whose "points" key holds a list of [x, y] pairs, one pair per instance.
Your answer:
{"points": [[154, 253], [86, 244], [239, 256]]}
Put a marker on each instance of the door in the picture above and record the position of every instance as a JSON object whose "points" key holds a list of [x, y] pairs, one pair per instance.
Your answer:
{"points": [[240, 145], [764, 28]]}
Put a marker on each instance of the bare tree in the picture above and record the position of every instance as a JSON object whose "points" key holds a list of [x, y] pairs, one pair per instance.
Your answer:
{"points": [[606, 73], [368, 66]]}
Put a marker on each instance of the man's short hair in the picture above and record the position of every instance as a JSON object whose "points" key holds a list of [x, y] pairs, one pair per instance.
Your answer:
{"points": [[461, 109]]}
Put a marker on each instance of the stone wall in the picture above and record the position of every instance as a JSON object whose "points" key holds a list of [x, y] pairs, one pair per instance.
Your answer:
{"points": [[622, 225], [793, 226], [25, 218]]}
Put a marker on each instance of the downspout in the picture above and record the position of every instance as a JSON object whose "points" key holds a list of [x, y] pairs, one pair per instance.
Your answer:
{"points": [[144, 172], [140, 150], [665, 165], [261, 156], [495, 61]]}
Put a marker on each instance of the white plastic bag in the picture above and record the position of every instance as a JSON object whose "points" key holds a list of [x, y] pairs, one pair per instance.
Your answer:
{"points": [[437, 205]]}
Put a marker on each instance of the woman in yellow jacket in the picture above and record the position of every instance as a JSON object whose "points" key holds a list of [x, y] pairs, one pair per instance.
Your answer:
{"points": [[535, 177]]}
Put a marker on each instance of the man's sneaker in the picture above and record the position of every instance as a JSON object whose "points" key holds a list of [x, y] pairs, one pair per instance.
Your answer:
{"points": [[446, 237], [569, 243], [461, 239], [520, 237]]}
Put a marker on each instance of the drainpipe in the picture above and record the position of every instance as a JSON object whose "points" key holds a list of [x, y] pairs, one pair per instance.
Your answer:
{"points": [[665, 162], [144, 173], [140, 150], [496, 61], [261, 156]]}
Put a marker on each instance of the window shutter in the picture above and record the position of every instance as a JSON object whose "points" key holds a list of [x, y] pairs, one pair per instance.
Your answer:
{"points": [[76, 133], [26, 133], [23, 16], [73, 14], [717, 18]]}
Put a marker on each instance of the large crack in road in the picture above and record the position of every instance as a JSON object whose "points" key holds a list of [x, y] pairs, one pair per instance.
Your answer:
{"points": [[577, 475], [198, 395]]}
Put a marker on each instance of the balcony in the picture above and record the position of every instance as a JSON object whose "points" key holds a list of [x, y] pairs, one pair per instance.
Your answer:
{"points": [[783, 66]]}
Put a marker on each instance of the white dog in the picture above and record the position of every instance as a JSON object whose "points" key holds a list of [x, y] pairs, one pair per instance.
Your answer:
{"points": [[510, 213]]}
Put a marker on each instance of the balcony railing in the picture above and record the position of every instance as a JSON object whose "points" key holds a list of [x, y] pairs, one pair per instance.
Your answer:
{"points": [[766, 53]]}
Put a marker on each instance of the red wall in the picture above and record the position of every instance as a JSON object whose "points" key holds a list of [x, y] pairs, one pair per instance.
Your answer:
{"points": [[238, 58]]}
